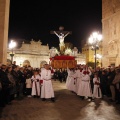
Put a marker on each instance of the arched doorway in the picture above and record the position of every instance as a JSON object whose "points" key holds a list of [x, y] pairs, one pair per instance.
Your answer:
{"points": [[42, 63], [26, 63]]}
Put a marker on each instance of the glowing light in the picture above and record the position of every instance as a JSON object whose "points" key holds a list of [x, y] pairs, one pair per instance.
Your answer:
{"points": [[98, 56], [95, 34], [90, 40], [99, 37], [95, 38], [12, 44]]}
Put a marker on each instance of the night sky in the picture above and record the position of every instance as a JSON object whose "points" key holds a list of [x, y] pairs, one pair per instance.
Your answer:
{"points": [[34, 19]]}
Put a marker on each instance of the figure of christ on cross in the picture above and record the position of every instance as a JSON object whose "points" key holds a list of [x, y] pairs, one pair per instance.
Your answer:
{"points": [[61, 35]]}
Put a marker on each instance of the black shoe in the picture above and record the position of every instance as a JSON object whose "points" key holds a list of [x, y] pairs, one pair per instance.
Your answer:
{"points": [[1, 106], [93, 100], [111, 100], [82, 97], [52, 99], [9, 103], [118, 102], [43, 99], [35, 96]]}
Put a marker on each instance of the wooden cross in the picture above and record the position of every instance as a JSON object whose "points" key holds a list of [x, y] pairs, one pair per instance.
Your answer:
{"points": [[61, 31]]}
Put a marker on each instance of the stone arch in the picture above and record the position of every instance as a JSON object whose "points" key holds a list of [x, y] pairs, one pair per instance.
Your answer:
{"points": [[26, 63], [42, 63]]}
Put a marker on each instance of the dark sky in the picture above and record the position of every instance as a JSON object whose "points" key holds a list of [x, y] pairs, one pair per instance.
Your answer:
{"points": [[36, 18]]}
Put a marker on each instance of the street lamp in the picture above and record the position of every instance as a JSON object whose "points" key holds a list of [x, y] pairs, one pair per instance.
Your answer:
{"points": [[12, 45], [94, 41], [99, 58]]}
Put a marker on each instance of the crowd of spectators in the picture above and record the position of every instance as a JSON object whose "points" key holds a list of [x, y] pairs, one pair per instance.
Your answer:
{"points": [[109, 82], [13, 81]]}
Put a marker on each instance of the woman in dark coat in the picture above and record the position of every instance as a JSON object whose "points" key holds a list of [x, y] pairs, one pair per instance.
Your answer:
{"points": [[13, 83], [103, 83]]}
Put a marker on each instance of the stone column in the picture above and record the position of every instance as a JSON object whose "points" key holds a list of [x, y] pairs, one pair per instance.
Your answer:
{"points": [[4, 21]]}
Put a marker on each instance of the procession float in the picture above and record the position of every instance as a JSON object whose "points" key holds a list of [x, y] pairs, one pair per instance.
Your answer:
{"points": [[65, 57]]}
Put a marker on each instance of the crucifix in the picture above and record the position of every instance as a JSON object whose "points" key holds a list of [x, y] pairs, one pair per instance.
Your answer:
{"points": [[61, 34]]}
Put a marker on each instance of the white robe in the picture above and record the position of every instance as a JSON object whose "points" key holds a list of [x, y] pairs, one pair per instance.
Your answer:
{"points": [[97, 91], [68, 78], [78, 79], [72, 82], [36, 85], [47, 88], [85, 88]]}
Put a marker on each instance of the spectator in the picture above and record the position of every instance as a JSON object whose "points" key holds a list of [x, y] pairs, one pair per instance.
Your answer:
{"points": [[5, 85], [111, 85], [103, 83], [16, 78], [13, 83], [116, 82], [28, 85], [22, 80]]}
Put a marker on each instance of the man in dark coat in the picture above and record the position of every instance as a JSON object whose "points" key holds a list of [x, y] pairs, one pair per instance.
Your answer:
{"points": [[22, 79], [103, 83], [5, 85], [60, 75], [16, 78], [111, 85]]}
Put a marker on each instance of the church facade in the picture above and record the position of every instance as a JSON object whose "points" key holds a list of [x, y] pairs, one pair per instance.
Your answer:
{"points": [[111, 32], [36, 55]]}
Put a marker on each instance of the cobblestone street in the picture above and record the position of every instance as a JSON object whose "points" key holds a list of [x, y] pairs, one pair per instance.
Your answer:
{"points": [[67, 106]]}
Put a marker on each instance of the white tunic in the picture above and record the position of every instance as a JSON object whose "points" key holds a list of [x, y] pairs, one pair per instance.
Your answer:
{"points": [[72, 82], [78, 79], [42, 69], [84, 88], [36, 85], [68, 77], [47, 88], [97, 91]]}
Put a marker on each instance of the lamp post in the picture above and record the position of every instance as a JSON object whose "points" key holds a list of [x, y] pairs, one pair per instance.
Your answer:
{"points": [[99, 57], [94, 41], [12, 45]]}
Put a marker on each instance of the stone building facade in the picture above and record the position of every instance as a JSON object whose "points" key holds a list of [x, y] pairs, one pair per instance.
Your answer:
{"points": [[111, 32], [34, 54]]}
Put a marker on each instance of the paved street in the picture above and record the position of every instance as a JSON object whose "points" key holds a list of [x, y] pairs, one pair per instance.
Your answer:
{"points": [[68, 106]]}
